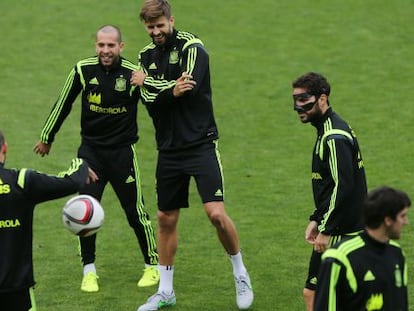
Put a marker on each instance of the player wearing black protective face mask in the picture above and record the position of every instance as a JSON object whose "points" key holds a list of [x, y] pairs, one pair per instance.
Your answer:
{"points": [[338, 175]]}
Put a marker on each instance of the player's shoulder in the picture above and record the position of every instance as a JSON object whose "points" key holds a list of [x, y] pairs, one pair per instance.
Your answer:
{"points": [[336, 121], [89, 61], [186, 39], [186, 35], [345, 247], [335, 127], [150, 46], [24, 176], [395, 244], [126, 63]]}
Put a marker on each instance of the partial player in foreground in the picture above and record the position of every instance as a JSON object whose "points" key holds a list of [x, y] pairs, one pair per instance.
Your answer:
{"points": [[338, 174], [109, 132], [177, 94], [369, 271], [20, 191]]}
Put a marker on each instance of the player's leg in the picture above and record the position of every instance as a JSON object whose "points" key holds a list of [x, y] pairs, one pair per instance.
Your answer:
{"points": [[308, 298], [167, 236], [209, 180], [311, 280], [172, 194], [87, 245], [167, 242], [225, 227], [206, 168], [126, 182]]}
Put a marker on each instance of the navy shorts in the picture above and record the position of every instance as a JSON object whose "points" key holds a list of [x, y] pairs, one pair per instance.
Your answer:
{"points": [[315, 263], [175, 169]]}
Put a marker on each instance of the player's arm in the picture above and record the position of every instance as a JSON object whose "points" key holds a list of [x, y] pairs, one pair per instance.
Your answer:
{"points": [[42, 148], [40, 187], [193, 68], [311, 232], [59, 112], [340, 152], [195, 64], [150, 87], [133, 87]]}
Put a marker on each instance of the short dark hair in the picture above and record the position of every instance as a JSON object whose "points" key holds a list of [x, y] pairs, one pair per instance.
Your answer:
{"points": [[314, 83], [2, 138], [153, 9], [383, 202]]}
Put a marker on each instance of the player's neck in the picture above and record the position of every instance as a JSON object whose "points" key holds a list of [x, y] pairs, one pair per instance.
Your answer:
{"points": [[378, 234]]}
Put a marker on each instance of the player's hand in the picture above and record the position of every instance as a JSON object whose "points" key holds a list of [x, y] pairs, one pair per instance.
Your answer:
{"points": [[321, 242], [92, 177], [311, 232], [183, 84], [137, 78], [42, 148]]}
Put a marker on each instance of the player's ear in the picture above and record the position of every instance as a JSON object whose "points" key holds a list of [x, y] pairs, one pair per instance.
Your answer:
{"points": [[388, 221], [323, 99]]}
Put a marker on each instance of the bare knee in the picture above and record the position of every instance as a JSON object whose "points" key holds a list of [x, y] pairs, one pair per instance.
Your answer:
{"points": [[308, 297], [217, 219], [167, 221], [218, 216]]}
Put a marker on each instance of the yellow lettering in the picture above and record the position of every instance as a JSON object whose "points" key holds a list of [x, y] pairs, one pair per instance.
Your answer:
{"points": [[108, 110], [9, 223], [4, 189]]}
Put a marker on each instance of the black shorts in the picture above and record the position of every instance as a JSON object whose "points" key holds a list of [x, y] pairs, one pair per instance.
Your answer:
{"points": [[175, 168], [17, 301], [315, 263]]}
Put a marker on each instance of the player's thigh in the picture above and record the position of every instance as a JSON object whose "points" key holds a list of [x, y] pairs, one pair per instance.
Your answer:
{"points": [[172, 184], [124, 176], [314, 264], [208, 176]]}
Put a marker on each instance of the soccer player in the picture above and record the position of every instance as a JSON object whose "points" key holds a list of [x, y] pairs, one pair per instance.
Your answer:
{"points": [[369, 271], [109, 132], [20, 191], [177, 93], [338, 175]]}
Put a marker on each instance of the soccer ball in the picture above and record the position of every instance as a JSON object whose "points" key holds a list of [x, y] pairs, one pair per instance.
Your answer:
{"points": [[83, 215]]}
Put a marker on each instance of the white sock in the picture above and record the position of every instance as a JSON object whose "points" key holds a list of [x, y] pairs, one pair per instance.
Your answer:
{"points": [[166, 279], [238, 265], [90, 267]]}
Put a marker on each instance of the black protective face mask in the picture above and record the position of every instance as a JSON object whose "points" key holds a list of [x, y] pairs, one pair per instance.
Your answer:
{"points": [[301, 98]]}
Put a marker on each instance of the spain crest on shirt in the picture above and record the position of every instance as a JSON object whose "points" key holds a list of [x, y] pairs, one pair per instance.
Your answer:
{"points": [[120, 84], [173, 57]]}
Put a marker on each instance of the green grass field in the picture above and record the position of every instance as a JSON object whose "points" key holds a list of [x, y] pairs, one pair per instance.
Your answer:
{"points": [[257, 48]]}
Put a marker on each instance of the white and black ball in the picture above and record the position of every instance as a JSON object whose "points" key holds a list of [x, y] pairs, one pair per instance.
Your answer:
{"points": [[83, 215]]}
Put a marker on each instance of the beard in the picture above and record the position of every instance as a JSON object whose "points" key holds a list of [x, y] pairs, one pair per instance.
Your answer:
{"points": [[316, 116], [163, 38]]}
